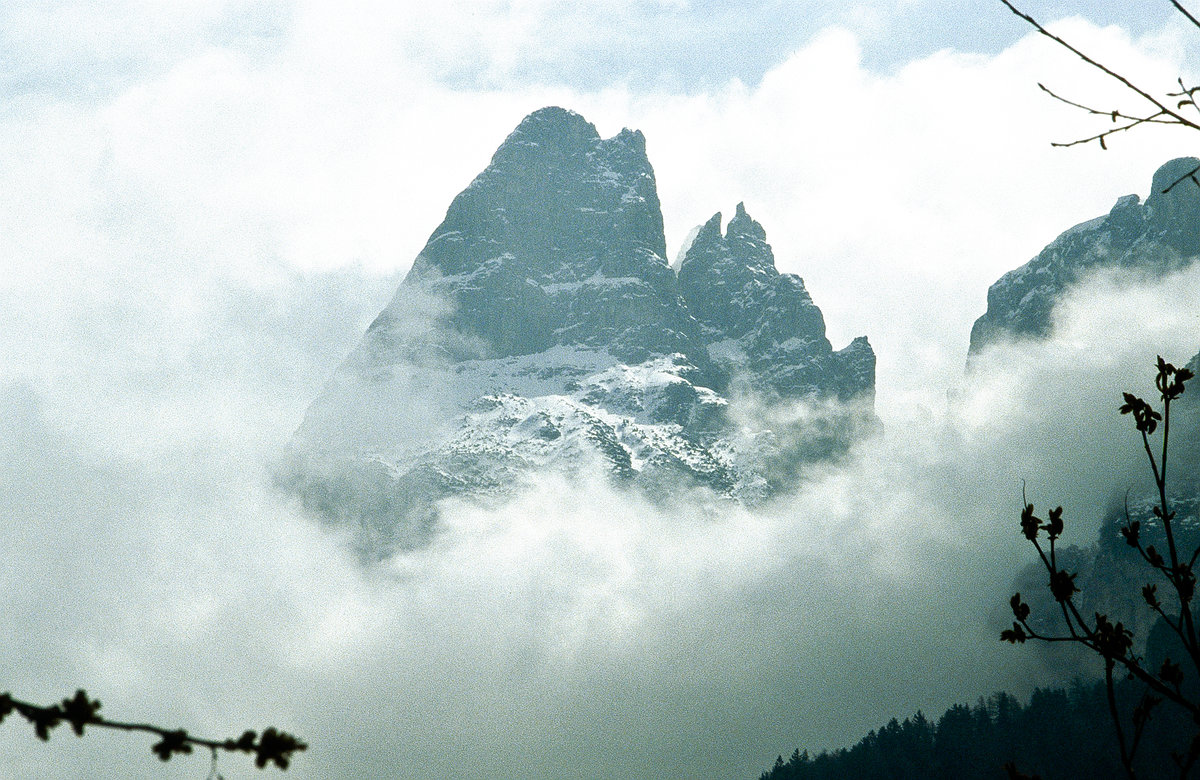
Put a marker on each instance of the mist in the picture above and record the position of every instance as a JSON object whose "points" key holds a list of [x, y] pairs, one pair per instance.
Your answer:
{"points": [[189, 254], [577, 629]]}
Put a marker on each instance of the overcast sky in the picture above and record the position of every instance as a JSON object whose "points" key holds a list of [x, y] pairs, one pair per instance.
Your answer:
{"points": [[205, 203]]}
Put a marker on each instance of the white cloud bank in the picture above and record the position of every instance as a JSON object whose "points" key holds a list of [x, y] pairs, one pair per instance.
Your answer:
{"points": [[186, 261]]}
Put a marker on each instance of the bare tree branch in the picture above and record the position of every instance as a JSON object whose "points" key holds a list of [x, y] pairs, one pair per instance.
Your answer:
{"points": [[272, 747], [1179, 7], [1163, 113], [1114, 643]]}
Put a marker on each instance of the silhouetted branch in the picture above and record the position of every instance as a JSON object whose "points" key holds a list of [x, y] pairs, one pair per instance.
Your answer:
{"points": [[272, 746], [1164, 113], [1110, 690], [1179, 7], [1114, 643]]}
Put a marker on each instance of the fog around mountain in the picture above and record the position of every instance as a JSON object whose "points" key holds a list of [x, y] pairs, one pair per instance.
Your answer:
{"points": [[195, 252]]}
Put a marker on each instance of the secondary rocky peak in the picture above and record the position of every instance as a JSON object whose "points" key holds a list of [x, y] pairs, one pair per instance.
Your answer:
{"points": [[743, 244], [728, 279], [762, 325], [634, 140]]}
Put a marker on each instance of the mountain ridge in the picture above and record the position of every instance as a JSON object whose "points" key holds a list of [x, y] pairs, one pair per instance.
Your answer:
{"points": [[1159, 235]]}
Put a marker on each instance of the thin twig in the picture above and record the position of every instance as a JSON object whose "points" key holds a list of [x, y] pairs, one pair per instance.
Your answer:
{"points": [[1100, 66], [1126, 760]]}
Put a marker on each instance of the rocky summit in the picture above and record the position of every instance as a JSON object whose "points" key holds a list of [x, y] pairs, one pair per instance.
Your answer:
{"points": [[761, 326], [542, 330], [1160, 235]]}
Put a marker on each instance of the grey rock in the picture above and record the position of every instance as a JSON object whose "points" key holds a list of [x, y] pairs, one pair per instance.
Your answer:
{"points": [[1158, 236], [560, 241], [761, 325]]}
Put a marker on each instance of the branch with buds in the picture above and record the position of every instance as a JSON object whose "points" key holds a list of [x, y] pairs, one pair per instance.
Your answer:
{"points": [[1114, 642], [271, 747]]}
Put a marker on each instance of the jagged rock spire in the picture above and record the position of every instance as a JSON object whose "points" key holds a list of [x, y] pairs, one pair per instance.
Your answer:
{"points": [[767, 325]]}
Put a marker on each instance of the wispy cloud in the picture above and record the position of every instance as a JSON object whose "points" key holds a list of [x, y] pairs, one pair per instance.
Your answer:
{"points": [[189, 254]]}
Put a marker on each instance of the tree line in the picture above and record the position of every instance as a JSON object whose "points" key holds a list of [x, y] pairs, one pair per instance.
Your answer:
{"points": [[1061, 733]]}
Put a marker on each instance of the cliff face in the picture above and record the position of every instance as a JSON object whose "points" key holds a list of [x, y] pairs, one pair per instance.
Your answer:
{"points": [[1159, 235], [560, 242], [541, 328]]}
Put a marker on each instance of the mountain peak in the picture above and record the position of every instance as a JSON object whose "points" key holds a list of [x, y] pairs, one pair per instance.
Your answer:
{"points": [[541, 327], [548, 137], [555, 126], [744, 226], [709, 232], [1172, 172], [1174, 214], [559, 241]]}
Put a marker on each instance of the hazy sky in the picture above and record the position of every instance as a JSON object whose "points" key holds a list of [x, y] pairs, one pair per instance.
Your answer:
{"points": [[205, 203]]}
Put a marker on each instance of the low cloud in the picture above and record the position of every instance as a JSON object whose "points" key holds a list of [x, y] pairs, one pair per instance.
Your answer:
{"points": [[577, 625], [194, 257]]}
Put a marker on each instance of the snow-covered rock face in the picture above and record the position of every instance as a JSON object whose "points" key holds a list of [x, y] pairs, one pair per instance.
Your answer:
{"points": [[1159, 235], [542, 328]]}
